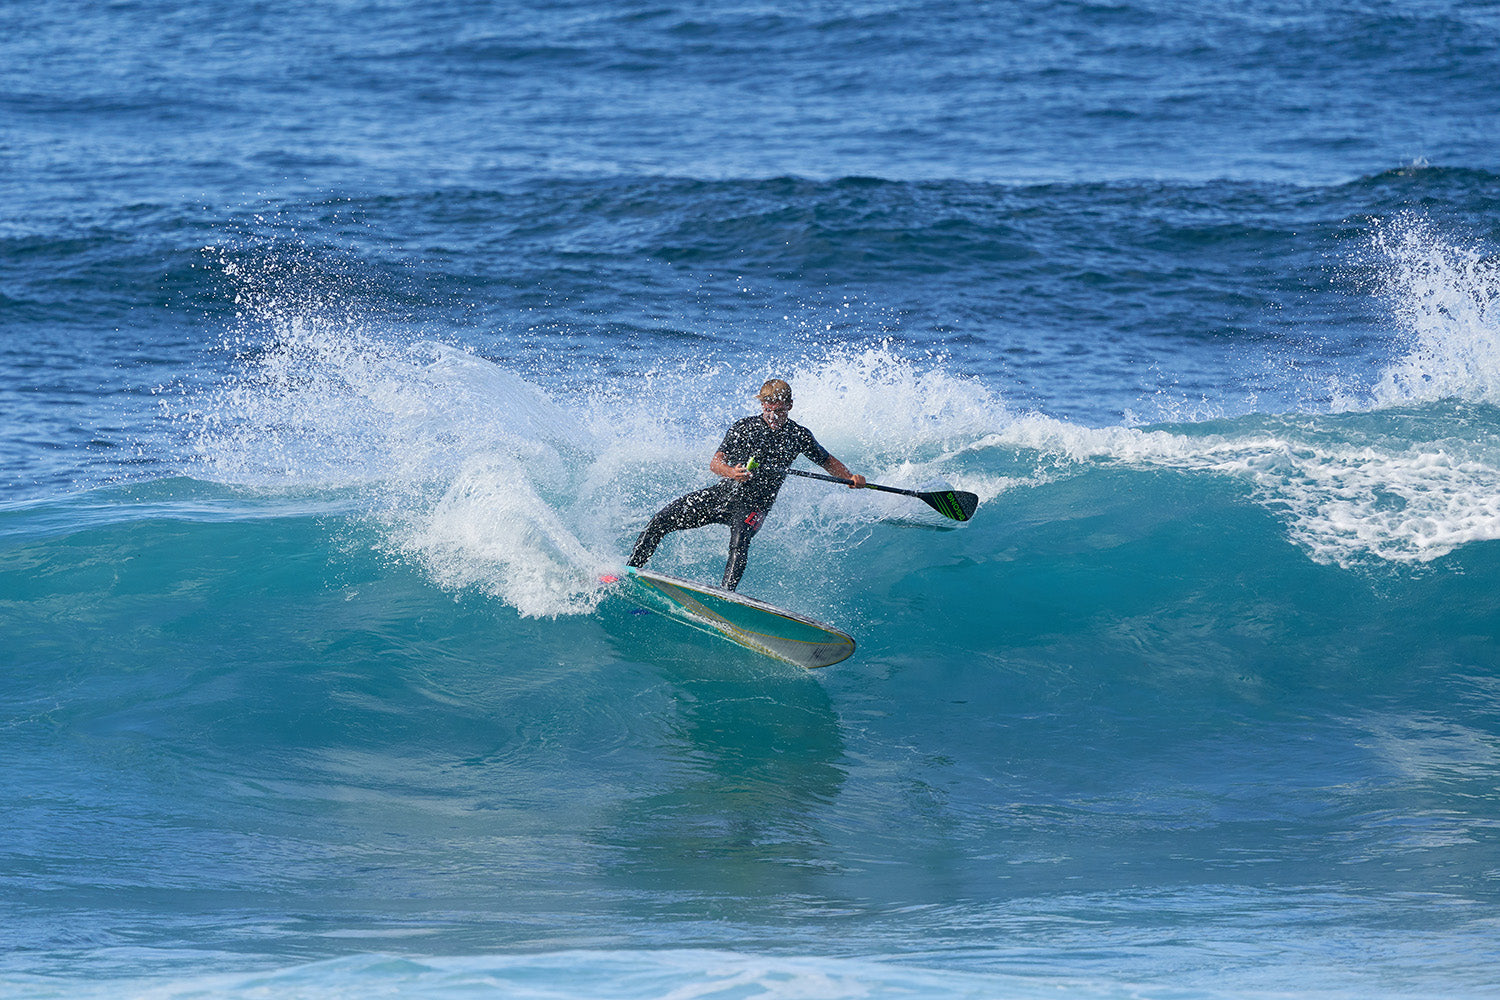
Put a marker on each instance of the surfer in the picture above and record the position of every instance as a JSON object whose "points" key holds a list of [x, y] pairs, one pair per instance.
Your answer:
{"points": [[753, 459]]}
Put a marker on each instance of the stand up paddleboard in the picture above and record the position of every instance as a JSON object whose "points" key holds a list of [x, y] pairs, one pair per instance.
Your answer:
{"points": [[753, 624]]}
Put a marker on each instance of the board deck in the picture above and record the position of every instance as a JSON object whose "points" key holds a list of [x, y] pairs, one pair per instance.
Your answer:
{"points": [[769, 630]]}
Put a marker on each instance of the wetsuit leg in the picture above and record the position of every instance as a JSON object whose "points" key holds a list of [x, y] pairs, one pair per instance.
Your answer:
{"points": [[741, 529], [692, 511]]}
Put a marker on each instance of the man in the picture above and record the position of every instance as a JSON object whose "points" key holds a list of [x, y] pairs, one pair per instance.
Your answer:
{"points": [[752, 460]]}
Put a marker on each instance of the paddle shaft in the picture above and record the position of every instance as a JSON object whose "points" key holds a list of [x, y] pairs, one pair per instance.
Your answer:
{"points": [[949, 503], [850, 482]]}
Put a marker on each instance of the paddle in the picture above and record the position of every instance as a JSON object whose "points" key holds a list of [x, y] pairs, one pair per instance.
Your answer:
{"points": [[950, 503]]}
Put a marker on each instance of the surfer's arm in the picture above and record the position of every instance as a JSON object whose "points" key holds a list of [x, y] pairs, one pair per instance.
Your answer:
{"points": [[837, 468], [719, 467]]}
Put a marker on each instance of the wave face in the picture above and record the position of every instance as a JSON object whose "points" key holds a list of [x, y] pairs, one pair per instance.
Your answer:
{"points": [[344, 346]]}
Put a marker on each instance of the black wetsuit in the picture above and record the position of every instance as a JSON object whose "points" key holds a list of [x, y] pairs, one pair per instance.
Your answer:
{"points": [[742, 506]]}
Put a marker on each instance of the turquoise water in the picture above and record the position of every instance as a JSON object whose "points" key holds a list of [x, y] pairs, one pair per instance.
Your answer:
{"points": [[343, 346]]}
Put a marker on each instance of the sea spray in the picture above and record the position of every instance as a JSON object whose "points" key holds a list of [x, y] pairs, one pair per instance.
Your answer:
{"points": [[490, 483], [1444, 294]]}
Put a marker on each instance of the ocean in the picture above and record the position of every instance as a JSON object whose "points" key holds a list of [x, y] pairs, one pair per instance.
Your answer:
{"points": [[344, 344]]}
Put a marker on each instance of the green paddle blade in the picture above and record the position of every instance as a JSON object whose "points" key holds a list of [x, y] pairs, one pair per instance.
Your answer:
{"points": [[955, 504]]}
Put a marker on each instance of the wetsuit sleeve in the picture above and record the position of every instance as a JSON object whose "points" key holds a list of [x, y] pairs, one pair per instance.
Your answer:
{"points": [[815, 452]]}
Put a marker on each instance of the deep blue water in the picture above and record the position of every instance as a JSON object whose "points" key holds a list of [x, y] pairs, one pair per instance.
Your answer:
{"points": [[343, 344]]}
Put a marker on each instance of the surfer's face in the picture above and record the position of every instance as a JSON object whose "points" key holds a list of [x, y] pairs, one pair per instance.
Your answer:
{"points": [[774, 412]]}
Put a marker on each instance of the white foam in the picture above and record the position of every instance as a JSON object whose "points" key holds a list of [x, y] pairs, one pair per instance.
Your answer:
{"points": [[1345, 504], [1346, 493], [491, 531]]}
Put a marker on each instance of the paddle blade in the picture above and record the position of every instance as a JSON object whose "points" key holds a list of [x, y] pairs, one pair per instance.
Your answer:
{"points": [[954, 504]]}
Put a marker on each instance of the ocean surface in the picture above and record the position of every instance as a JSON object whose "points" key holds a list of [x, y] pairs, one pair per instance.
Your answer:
{"points": [[345, 343]]}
